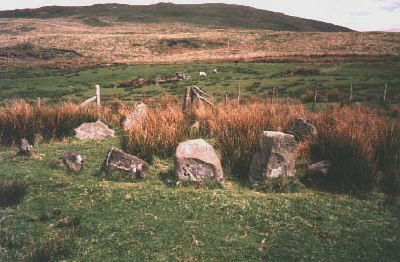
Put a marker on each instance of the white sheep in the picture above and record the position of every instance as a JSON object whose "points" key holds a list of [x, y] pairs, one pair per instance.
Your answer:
{"points": [[203, 74]]}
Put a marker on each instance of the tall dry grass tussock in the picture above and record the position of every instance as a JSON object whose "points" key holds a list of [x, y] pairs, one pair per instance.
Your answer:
{"points": [[237, 129], [349, 137], [18, 119], [159, 134]]}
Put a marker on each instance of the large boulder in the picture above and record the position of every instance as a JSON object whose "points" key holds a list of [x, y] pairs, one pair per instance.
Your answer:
{"points": [[118, 160], [72, 160], [302, 129], [196, 160], [136, 117], [274, 158], [24, 148], [95, 130]]}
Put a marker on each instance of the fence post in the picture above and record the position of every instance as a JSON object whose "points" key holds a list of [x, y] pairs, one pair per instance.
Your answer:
{"points": [[226, 98], [38, 103], [384, 93], [187, 101], [272, 95], [238, 97], [98, 95], [351, 93], [315, 96]]}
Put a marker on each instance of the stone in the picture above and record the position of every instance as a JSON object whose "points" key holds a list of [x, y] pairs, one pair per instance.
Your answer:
{"points": [[118, 160], [195, 126], [302, 129], [319, 168], [95, 130], [37, 139], [72, 160], [196, 160], [274, 158], [136, 117], [24, 148]]}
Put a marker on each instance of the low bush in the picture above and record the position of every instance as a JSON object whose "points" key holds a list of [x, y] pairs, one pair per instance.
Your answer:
{"points": [[237, 130], [52, 249], [12, 192], [389, 160], [18, 119], [159, 134], [348, 138]]}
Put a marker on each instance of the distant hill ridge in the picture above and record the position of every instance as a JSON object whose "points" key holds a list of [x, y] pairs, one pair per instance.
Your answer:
{"points": [[218, 15]]}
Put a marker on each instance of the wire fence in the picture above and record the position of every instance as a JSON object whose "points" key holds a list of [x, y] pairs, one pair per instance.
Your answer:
{"points": [[313, 98]]}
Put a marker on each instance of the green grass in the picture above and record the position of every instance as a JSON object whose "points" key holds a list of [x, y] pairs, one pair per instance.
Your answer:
{"points": [[254, 79], [154, 220]]}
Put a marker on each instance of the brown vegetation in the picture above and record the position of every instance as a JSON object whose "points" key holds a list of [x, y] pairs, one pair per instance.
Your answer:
{"points": [[12, 192], [352, 138], [361, 142], [19, 119], [133, 43]]}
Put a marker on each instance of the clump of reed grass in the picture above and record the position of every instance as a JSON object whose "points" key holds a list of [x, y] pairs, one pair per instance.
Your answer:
{"points": [[389, 160], [18, 119], [160, 133], [237, 130], [12, 192], [52, 249], [348, 138]]}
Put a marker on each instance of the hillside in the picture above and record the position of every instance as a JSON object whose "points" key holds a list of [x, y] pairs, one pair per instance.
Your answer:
{"points": [[218, 15]]}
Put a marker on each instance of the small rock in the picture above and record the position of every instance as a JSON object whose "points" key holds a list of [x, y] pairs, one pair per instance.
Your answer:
{"points": [[274, 158], [24, 148], [319, 168], [302, 129], [118, 160], [195, 126], [73, 160], [37, 139], [196, 160], [96, 130]]}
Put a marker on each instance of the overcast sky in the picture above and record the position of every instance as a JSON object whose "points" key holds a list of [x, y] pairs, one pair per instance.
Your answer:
{"points": [[363, 15]]}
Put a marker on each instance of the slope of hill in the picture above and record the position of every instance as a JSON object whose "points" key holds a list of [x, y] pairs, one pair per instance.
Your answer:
{"points": [[219, 15]]}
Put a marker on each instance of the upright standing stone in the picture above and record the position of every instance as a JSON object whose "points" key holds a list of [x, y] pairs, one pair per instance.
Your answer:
{"points": [[73, 160], [275, 156], [196, 160], [136, 117], [302, 129]]}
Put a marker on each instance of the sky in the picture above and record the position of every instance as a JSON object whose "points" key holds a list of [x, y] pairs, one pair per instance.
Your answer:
{"points": [[361, 15]]}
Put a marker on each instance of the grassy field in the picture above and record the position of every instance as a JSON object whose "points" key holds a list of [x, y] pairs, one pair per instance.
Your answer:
{"points": [[289, 80], [104, 220]]}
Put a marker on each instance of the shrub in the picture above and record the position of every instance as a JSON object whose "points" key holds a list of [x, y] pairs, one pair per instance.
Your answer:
{"points": [[389, 160], [348, 138], [237, 130], [334, 95], [12, 192], [53, 249], [159, 134], [19, 120]]}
